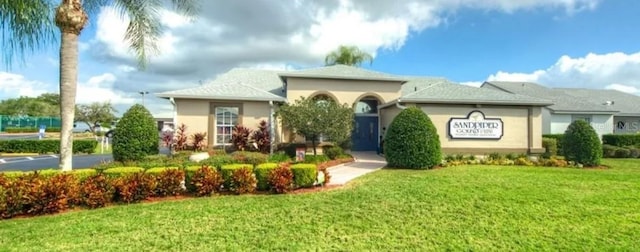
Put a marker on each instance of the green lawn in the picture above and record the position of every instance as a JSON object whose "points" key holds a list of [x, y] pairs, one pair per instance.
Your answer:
{"points": [[459, 208]]}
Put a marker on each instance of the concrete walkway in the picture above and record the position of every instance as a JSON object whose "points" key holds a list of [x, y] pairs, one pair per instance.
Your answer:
{"points": [[365, 162]]}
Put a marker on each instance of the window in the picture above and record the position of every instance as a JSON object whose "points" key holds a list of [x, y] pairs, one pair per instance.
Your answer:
{"points": [[586, 118], [226, 119], [366, 107]]}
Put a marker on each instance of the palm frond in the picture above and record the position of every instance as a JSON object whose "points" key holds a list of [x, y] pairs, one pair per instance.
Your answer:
{"points": [[26, 26]]}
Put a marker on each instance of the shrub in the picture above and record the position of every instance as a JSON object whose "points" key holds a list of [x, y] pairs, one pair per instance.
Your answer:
{"points": [[137, 135], [169, 181], [279, 157], [609, 151], [33, 193], [333, 152], [181, 138], [311, 159], [96, 191], [550, 146], [281, 178], [581, 144], [496, 156], [634, 152], [412, 141], [243, 181], [199, 141], [218, 161], [45, 146], [621, 140], [205, 181], [240, 137], [121, 171], [61, 191], [262, 175], [167, 139], [134, 187], [622, 153], [83, 174], [262, 137], [290, 148], [304, 175], [558, 138], [227, 172], [245, 157], [11, 197]]}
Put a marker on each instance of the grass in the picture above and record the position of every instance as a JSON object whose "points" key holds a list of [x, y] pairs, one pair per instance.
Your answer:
{"points": [[459, 208]]}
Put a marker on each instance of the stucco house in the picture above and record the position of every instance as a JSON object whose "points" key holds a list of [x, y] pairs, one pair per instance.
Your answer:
{"points": [[468, 119]]}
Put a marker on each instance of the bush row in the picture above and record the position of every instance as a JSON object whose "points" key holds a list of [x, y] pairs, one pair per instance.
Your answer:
{"points": [[51, 191], [29, 129], [621, 140], [558, 138], [509, 159], [610, 151], [45, 146]]}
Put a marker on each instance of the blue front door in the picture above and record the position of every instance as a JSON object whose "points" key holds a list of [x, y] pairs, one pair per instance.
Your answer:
{"points": [[365, 133]]}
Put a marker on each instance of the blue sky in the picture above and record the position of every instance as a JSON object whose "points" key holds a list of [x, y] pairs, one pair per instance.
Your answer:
{"points": [[558, 43]]}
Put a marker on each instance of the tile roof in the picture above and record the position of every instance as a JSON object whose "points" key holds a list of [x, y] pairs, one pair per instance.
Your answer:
{"points": [[562, 103], [443, 91], [342, 72], [627, 104]]}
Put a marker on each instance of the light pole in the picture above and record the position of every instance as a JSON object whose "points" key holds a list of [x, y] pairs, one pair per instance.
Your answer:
{"points": [[143, 93]]}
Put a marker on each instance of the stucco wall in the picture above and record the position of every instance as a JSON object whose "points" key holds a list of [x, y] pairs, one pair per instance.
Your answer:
{"points": [[345, 91], [631, 124], [194, 114], [602, 124], [546, 121], [517, 127]]}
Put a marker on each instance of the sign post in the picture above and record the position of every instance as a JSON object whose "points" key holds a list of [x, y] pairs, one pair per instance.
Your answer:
{"points": [[41, 131]]}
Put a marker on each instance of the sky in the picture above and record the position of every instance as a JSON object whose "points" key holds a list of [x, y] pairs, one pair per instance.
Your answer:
{"points": [[556, 43]]}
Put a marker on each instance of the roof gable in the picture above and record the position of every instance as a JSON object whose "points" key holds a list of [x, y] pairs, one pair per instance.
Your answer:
{"points": [[341, 72], [440, 90]]}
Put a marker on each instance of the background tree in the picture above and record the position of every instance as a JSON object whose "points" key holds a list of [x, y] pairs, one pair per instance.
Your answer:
{"points": [[28, 26], [347, 55], [94, 113], [43, 105], [313, 117]]}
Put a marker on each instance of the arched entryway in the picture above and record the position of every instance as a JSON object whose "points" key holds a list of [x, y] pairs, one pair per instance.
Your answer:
{"points": [[365, 136]]}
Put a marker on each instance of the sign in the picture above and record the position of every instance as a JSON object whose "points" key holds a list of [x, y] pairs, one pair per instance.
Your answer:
{"points": [[475, 126]]}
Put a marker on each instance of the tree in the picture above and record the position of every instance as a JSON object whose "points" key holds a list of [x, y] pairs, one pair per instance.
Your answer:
{"points": [[313, 117], [94, 113], [30, 106], [27, 26], [581, 144], [136, 136], [412, 141], [347, 55]]}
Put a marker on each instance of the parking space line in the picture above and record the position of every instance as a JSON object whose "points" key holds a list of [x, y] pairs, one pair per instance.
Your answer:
{"points": [[29, 158], [53, 156], [2, 161]]}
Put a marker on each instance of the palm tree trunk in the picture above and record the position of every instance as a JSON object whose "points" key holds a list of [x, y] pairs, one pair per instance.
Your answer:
{"points": [[68, 86], [71, 19]]}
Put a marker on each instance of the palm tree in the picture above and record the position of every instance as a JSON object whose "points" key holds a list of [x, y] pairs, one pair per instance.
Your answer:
{"points": [[347, 55], [29, 25]]}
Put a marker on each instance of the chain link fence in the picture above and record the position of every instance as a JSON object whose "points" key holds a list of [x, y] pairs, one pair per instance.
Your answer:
{"points": [[28, 122]]}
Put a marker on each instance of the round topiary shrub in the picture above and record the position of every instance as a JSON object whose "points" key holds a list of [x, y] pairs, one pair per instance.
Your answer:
{"points": [[581, 144], [136, 135], [412, 141]]}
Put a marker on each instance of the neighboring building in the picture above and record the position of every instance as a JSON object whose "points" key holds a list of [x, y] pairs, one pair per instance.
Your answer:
{"points": [[627, 118], [565, 108], [468, 119]]}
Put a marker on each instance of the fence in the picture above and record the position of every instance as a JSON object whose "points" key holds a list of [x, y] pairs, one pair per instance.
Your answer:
{"points": [[28, 122]]}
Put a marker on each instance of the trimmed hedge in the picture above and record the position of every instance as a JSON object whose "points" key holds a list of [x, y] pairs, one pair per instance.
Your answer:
{"points": [[558, 138], [550, 146], [136, 135], [581, 144], [227, 172], [304, 175], [311, 159], [122, 171], [29, 129], [46, 146], [412, 141], [621, 140], [262, 175], [610, 151]]}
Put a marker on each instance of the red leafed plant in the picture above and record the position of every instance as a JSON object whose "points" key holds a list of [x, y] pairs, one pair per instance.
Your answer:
{"points": [[240, 137], [96, 191], [135, 187], [167, 139], [199, 141], [281, 178], [169, 182], [262, 138], [243, 181], [206, 181], [60, 192], [181, 138]]}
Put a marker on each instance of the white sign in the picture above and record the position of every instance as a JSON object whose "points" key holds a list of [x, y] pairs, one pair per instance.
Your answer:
{"points": [[475, 126]]}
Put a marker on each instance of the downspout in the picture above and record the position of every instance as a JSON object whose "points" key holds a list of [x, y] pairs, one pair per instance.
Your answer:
{"points": [[271, 127], [175, 112], [400, 106]]}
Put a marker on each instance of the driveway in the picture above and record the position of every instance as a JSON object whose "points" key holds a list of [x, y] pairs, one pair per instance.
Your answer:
{"points": [[39, 162], [18, 136]]}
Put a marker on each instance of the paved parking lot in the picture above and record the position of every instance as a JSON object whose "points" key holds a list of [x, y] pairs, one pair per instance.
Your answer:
{"points": [[38, 162]]}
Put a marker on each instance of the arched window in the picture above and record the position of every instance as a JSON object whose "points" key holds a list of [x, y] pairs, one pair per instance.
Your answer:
{"points": [[367, 105]]}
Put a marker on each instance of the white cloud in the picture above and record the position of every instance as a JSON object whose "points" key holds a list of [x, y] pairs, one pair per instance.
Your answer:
{"points": [[618, 71], [15, 85], [472, 83], [100, 89]]}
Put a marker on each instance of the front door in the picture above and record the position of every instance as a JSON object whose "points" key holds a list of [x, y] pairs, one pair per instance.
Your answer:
{"points": [[365, 133]]}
